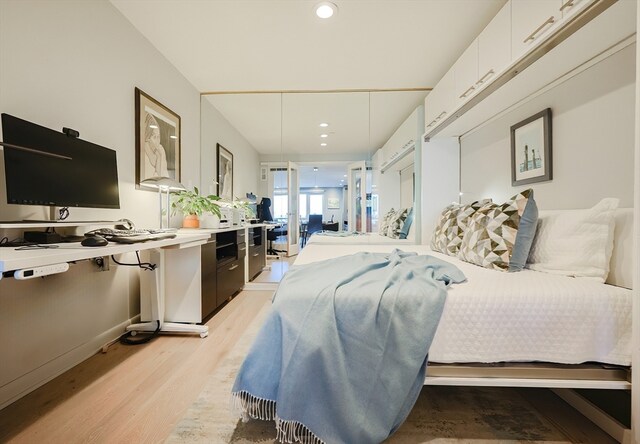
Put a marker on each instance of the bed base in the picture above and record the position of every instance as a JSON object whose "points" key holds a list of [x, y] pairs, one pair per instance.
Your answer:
{"points": [[561, 379]]}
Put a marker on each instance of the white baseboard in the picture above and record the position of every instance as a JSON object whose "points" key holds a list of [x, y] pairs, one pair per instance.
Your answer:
{"points": [[39, 376]]}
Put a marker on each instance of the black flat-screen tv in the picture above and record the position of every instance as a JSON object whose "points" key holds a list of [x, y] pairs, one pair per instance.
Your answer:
{"points": [[88, 179]]}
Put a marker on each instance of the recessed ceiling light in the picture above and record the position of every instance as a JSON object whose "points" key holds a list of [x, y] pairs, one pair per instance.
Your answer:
{"points": [[324, 125], [323, 144], [324, 10], [324, 135]]}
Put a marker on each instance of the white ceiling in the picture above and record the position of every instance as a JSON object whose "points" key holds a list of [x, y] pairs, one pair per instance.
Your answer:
{"points": [[280, 45]]}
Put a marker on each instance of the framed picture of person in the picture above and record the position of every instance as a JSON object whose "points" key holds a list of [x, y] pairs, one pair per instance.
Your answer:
{"points": [[158, 146], [531, 158], [225, 172]]}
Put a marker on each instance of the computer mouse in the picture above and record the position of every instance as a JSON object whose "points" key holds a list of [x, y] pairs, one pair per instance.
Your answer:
{"points": [[94, 241]]}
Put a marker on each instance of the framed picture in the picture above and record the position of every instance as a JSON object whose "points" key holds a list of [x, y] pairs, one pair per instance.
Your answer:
{"points": [[225, 173], [531, 158], [333, 203], [158, 145]]}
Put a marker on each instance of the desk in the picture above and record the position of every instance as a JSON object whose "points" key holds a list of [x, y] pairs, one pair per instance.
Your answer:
{"points": [[176, 280]]}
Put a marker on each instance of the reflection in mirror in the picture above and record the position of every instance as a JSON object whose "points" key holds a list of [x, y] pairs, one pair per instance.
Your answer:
{"points": [[313, 142]]}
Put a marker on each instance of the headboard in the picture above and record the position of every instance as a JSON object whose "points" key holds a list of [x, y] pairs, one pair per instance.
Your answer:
{"points": [[621, 265]]}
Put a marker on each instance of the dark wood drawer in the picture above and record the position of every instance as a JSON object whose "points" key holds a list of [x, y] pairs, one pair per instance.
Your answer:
{"points": [[230, 280], [242, 250], [257, 260]]}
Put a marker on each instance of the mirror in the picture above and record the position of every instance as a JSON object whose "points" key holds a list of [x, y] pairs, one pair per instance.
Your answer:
{"points": [[285, 130]]}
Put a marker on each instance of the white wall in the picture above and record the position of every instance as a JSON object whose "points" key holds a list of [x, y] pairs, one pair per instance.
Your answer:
{"points": [[216, 129], [593, 130], [75, 64], [386, 186], [406, 187]]}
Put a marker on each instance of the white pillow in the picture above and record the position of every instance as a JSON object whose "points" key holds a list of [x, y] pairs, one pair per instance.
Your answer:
{"points": [[575, 243]]}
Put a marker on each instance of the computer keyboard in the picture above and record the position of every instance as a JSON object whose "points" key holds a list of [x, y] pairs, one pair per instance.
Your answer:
{"points": [[140, 238], [134, 235]]}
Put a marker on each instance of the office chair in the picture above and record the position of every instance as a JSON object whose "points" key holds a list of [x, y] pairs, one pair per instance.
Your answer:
{"points": [[314, 224], [272, 235]]}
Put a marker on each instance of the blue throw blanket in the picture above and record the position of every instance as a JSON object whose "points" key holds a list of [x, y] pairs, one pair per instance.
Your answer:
{"points": [[342, 356]]}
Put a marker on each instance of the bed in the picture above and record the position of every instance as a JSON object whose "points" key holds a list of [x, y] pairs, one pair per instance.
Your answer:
{"points": [[353, 238], [530, 328], [518, 317]]}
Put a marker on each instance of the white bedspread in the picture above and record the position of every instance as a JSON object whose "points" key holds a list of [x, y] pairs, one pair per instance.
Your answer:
{"points": [[361, 239], [524, 316]]}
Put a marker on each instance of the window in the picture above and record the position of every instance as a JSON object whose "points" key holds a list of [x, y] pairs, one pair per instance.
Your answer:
{"points": [[315, 204], [303, 206], [280, 206]]}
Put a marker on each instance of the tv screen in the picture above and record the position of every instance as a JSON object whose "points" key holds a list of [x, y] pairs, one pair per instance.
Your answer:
{"points": [[89, 179]]}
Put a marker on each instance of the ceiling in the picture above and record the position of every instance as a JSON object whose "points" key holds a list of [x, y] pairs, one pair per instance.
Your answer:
{"points": [[280, 45]]}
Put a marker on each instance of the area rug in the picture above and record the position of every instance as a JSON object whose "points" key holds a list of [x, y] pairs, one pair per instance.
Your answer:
{"points": [[441, 415]]}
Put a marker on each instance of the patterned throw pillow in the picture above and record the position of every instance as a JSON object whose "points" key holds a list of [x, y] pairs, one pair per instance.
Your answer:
{"points": [[447, 236], [396, 222], [384, 224], [500, 236]]}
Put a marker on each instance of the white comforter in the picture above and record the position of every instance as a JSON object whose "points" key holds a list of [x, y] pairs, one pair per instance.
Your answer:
{"points": [[524, 316]]}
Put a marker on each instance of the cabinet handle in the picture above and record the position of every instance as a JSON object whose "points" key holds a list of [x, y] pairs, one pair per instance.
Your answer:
{"points": [[256, 254], [485, 77], [442, 114], [234, 267], [566, 5], [242, 249], [467, 92], [550, 21]]}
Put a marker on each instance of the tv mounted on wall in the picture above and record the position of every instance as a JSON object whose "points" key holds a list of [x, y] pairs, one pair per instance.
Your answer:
{"points": [[82, 175]]}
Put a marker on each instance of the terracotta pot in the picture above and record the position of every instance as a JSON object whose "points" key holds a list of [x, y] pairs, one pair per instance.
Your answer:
{"points": [[191, 221]]}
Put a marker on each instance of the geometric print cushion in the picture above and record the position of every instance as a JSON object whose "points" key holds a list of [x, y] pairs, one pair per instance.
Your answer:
{"points": [[451, 226], [384, 224], [500, 236], [396, 221]]}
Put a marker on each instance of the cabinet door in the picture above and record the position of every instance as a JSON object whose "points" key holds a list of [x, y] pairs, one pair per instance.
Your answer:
{"points": [[570, 7], [466, 73], [530, 21], [494, 46], [440, 102]]}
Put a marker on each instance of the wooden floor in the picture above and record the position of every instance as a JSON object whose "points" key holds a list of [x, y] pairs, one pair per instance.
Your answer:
{"points": [[135, 394], [131, 394]]}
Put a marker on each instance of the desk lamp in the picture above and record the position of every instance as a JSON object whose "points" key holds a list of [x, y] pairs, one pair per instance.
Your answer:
{"points": [[163, 184]]}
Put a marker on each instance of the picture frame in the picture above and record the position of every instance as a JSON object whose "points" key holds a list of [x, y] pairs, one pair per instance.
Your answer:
{"points": [[225, 172], [158, 140], [531, 150], [333, 203]]}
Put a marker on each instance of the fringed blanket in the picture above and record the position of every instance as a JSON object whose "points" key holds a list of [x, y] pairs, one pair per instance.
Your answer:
{"points": [[342, 356]]}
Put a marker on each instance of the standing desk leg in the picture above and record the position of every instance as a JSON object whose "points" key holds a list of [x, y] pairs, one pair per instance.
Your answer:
{"points": [[152, 300]]}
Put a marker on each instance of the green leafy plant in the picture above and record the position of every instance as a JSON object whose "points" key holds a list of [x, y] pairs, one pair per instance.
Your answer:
{"points": [[191, 202]]}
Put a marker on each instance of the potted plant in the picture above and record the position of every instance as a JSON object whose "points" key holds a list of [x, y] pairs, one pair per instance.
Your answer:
{"points": [[192, 205]]}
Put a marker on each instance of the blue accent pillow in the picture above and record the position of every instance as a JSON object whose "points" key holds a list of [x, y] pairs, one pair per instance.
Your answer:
{"points": [[404, 232], [524, 238]]}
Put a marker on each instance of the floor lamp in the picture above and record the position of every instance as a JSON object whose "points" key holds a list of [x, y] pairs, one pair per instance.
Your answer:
{"points": [[166, 184]]}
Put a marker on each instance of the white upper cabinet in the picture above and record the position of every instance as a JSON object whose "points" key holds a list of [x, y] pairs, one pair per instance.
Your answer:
{"points": [[466, 73], [531, 20], [440, 101], [494, 47]]}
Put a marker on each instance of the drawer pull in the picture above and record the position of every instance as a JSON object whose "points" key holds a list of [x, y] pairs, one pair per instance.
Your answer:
{"points": [[550, 21], [567, 5], [467, 92], [485, 77], [442, 114], [256, 254], [242, 249], [233, 267]]}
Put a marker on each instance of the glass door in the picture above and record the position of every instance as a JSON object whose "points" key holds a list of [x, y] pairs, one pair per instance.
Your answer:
{"points": [[293, 217], [357, 195]]}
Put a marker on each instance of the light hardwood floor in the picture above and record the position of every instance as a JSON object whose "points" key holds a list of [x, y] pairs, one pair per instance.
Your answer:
{"points": [[135, 394], [131, 394]]}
